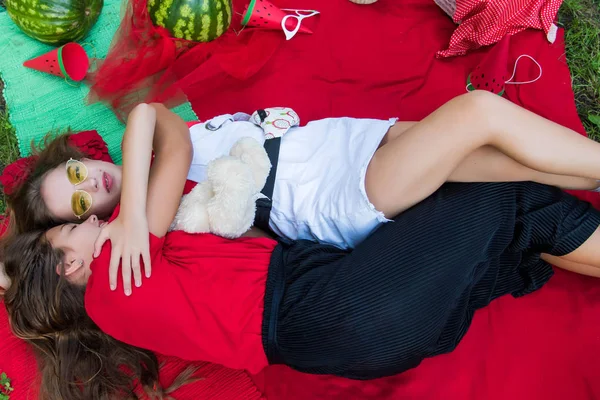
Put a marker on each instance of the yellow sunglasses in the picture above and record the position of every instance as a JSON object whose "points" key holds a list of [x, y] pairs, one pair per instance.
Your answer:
{"points": [[81, 201]]}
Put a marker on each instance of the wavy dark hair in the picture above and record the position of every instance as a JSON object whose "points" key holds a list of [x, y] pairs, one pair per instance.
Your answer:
{"points": [[76, 359], [26, 206]]}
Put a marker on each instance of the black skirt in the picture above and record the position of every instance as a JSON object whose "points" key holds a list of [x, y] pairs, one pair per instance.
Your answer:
{"points": [[410, 290]]}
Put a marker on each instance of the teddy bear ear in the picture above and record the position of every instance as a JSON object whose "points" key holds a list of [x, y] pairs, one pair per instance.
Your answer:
{"points": [[252, 153]]}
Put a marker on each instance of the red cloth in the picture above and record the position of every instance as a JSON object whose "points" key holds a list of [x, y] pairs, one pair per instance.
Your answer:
{"points": [[485, 22], [139, 53], [217, 383], [379, 61], [17, 361], [207, 291]]}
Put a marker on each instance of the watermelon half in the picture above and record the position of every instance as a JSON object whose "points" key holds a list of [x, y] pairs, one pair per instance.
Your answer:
{"points": [[194, 20], [55, 22]]}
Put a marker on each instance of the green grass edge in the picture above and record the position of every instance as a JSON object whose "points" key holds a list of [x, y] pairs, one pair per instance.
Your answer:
{"points": [[581, 20]]}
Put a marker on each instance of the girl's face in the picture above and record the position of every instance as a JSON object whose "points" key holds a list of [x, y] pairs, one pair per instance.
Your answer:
{"points": [[82, 188], [77, 242]]}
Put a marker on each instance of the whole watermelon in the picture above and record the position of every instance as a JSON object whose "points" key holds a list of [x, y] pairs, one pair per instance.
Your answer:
{"points": [[55, 21], [196, 20]]}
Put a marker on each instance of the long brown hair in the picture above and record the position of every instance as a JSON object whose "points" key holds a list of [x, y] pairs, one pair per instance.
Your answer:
{"points": [[76, 359], [26, 206]]}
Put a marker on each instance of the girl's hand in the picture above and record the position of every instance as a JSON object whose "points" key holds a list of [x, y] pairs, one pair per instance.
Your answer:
{"points": [[130, 242]]}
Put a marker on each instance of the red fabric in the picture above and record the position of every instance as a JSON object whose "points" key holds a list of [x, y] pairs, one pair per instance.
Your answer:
{"points": [[218, 383], [15, 173], [138, 52], [91, 144], [484, 22], [17, 361], [211, 302], [543, 346], [134, 68]]}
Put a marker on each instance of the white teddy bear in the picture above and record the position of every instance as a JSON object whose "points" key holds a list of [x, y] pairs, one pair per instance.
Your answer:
{"points": [[225, 203]]}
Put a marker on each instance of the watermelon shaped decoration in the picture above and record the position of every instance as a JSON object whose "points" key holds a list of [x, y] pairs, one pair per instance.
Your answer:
{"points": [[263, 14], [55, 22], [195, 20], [491, 73], [68, 61]]}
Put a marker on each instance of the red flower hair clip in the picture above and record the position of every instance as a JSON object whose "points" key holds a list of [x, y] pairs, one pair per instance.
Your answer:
{"points": [[14, 174]]}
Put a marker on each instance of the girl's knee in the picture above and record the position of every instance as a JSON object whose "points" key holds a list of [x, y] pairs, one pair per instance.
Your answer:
{"points": [[471, 114]]}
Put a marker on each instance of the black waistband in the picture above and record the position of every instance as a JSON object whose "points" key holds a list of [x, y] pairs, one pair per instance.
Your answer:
{"points": [[264, 205], [274, 290]]}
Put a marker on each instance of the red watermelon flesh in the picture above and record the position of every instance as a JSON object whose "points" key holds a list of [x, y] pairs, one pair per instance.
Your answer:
{"points": [[46, 63], [492, 81], [491, 73]]}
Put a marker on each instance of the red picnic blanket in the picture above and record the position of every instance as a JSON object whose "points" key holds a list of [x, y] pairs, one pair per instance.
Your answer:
{"points": [[379, 61]]}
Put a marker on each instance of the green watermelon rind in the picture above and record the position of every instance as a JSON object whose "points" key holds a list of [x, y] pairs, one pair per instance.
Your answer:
{"points": [[55, 22], [471, 88], [193, 20], [249, 12]]}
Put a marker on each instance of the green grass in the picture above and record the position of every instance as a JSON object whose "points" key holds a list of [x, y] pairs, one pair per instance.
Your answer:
{"points": [[8, 143], [581, 20]]}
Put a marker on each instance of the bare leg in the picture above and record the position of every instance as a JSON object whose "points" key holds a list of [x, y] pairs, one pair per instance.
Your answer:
{"points": [[413, 165], [588, 253], [563, 263], [488, 164]]}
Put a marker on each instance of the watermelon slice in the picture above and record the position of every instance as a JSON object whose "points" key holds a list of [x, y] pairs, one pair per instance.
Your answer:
{"points": [[263, 14], [68, 61], [491, 73]]}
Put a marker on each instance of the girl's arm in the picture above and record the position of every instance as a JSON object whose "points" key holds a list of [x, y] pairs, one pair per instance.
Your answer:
{"points": [[137, 155], [149, 126], [143, 209], [172, 160], [128, 233]]}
